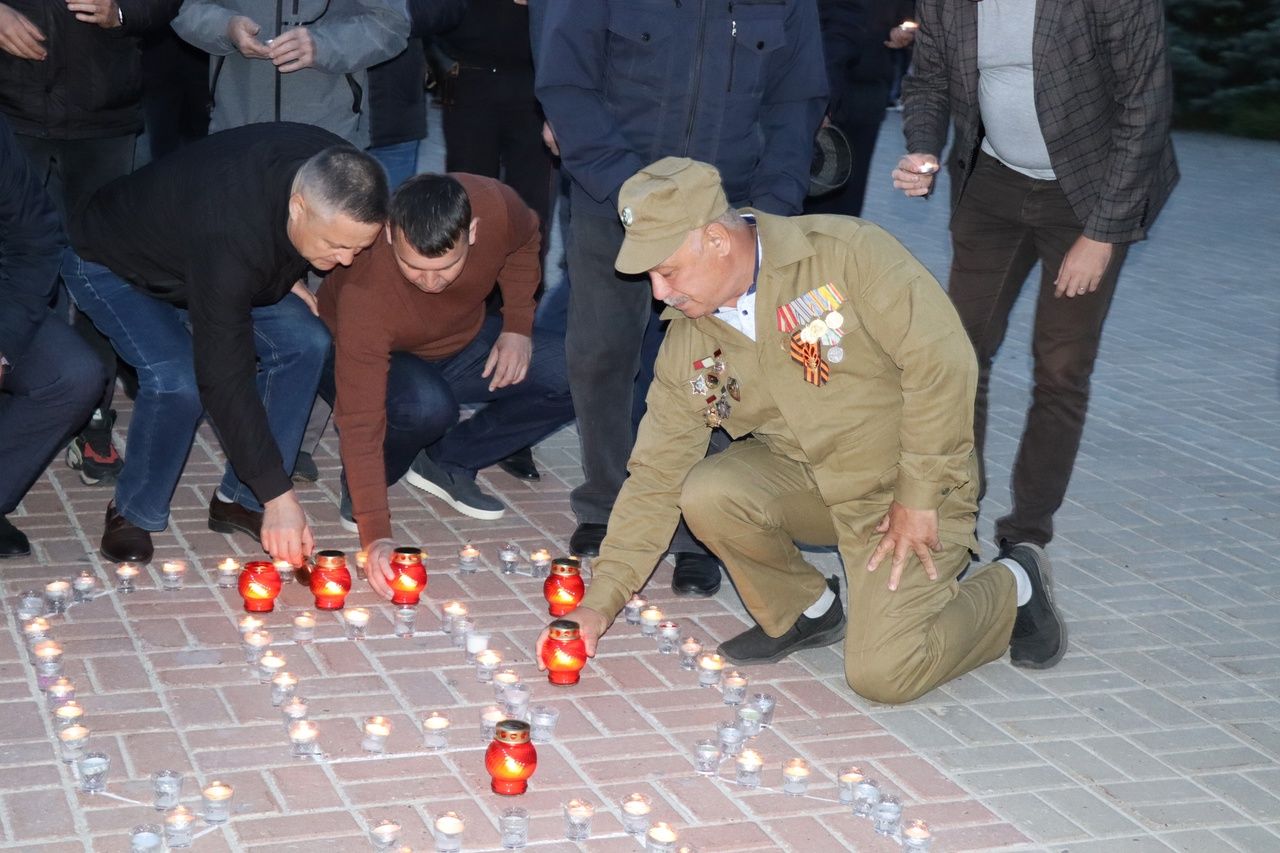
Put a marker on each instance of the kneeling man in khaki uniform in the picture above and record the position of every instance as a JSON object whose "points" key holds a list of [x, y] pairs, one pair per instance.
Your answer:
{"points": [[839, 367]]}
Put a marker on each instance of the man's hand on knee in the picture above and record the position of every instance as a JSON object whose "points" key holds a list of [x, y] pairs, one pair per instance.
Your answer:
{"points": [[906, 531], [591, 625]]}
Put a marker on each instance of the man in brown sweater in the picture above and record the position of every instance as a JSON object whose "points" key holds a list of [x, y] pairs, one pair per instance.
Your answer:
{"points": [[412, 342]]}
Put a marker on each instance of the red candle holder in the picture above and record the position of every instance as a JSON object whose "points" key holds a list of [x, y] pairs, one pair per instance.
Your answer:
{"points": [[411, 576], [330, 580], [510, 758], [259, 586], [564, 654], [563, 589]]}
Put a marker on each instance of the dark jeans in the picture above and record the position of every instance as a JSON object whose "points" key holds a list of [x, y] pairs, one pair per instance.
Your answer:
{"points": [[399, 160], [44, 398], [72, 170], [1004, 224], [423, 399], [153, 336], [611, 343]]}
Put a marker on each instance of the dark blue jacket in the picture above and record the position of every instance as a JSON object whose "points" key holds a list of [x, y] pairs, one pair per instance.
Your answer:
{"points": [[740, 84], [31, 243]]}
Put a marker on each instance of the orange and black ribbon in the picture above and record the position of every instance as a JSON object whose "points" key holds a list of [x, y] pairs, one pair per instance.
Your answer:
{"points": [[816, 371]]}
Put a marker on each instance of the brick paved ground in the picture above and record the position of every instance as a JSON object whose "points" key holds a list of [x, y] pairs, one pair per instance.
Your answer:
{"points": [[1161, 729]]}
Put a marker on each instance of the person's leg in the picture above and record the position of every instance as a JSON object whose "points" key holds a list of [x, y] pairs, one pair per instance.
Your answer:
{"points": [[292, 344], [400, 161], [1065, 342], [992, 253], [470, 128], [421, 409], [150, 335], [526, 162], [607, 319]]}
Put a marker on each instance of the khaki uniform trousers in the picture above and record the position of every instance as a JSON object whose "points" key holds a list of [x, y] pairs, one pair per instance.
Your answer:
{"points": [[750, 507]]}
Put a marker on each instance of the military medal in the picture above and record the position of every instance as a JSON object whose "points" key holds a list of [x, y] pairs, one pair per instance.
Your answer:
{"points": [[699, 385], [835, 354], [711, 414], [734, 389], [816, 371], [709, 361]]}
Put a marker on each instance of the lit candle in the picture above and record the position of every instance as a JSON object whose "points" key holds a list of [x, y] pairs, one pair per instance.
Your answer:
{"points": [[330, 580], [56, 594], [126, 577], [448, 829], [304, 735], [248, 623], [749, 720], [462, 628], [795, 777], [254, 644], [926, 168], [468, 559], [766, 704], [384, 834], [68, 714], [542, 723], [908, 26], [706, 756], [563, 588], [72, 740], [93, 768], [61, 691], [541, 561], [847, 781], [487, 662], [217, 802], [710, 666], [228, 573], [916, 836], [35, 630], [85, 585], [888, 816], [435, 731], [515, 701], [48, 655], [376, 731], [411, 576], [490, 716], [171, 574], [631, 610], [635, 813], [650, 618], [735, 688], [30, 604], [509, 557], [268, 665], [668, 636], [475, 643], [166, 787], [453, 610], [405, 618], [564, 654], [577, 819], [502, 679], [749, 764], [304, 628], [259, 586], [362, 562], [660, 838], [283, 685], [866, 794], [286, 571], [357, 619], [179, 827], [294, 709], [510, 759]]}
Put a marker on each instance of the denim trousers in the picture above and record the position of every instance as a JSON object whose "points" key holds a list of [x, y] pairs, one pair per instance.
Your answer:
{"points": [[44, 398], [399, 160], [424, 396], [154, 337]]}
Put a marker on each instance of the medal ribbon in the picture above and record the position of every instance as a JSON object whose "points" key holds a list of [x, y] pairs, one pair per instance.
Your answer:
{"points": [[816, 371]]}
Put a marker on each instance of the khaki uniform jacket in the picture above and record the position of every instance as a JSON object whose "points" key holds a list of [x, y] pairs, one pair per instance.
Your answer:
{"points": [[895, 421]]}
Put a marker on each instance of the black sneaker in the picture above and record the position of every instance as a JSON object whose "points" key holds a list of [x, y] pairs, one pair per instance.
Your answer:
{"points": [[92, 452], [1039, 633], [461, 493], [755, 646], [304, 469]]}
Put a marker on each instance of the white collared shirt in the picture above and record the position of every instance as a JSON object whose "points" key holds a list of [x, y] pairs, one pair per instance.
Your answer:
{"points": [[742, 316]]}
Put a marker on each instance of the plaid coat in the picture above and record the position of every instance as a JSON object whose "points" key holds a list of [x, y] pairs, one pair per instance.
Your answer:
{"points": [[1103, 93]]}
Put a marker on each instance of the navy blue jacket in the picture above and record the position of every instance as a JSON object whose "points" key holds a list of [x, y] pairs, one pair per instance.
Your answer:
{"points": [[740, 84], [31, 244]]}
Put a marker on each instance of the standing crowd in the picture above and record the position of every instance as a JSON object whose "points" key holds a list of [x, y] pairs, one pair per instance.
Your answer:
{"points": [[750, 367]]}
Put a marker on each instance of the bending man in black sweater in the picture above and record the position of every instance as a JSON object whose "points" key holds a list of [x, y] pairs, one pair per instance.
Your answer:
{"points": [[191, 266]]}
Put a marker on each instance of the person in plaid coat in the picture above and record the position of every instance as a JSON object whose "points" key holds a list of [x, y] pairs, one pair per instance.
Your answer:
{"points": [[1061, 155]]}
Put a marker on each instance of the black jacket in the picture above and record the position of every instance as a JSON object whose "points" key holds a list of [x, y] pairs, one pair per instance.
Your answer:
{"points": [[859, 65], [90, 84], [31, 244], [397, 103]]}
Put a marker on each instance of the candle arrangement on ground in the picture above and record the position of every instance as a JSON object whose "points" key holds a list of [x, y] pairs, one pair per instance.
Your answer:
{"points": [[330, 580], [564, 588], [411, 576], [564, 654], [510, 759], [259, 586]]}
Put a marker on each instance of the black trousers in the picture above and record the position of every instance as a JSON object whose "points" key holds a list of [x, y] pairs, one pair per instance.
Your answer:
{"points": [[1004, 224]]}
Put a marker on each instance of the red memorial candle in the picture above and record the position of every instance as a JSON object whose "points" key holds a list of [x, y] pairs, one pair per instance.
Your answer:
{"points": [[411, 576], [510, 759], [259, 586], [563, 589], [564, 654], [330, 580]]}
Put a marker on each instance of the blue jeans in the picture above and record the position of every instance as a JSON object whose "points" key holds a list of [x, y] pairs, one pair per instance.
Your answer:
{"points": [[399, 160], [154, 337], [423, 399]]}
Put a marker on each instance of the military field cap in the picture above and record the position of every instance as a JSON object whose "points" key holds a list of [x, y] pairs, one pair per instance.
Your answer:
{"points": [[660, 205]]}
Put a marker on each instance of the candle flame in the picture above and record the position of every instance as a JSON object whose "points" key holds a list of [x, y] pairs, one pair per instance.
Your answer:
{"points": [[332, 588], [559, 658], [257, 590]]}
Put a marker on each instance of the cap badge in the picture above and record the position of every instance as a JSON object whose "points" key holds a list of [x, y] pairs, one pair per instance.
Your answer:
{"points": [[627, 217]]}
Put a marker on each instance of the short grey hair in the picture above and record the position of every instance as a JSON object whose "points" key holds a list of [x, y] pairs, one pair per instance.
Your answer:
{"points": [[345, 180]]}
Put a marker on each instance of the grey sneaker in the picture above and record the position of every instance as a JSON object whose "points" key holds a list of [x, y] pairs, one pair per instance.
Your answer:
{"points": [[461, 493]]}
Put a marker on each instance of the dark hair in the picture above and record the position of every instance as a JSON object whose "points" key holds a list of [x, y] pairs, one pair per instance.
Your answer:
{"points": [[432, 212], [344, 180]]}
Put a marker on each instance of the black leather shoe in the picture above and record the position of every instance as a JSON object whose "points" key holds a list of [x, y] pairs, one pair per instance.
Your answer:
{"points": [[13, 542], [123, 541], [1039, 633], [755, 646], [586, 539], [520, 465], [696, 575], [229, 517]]}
